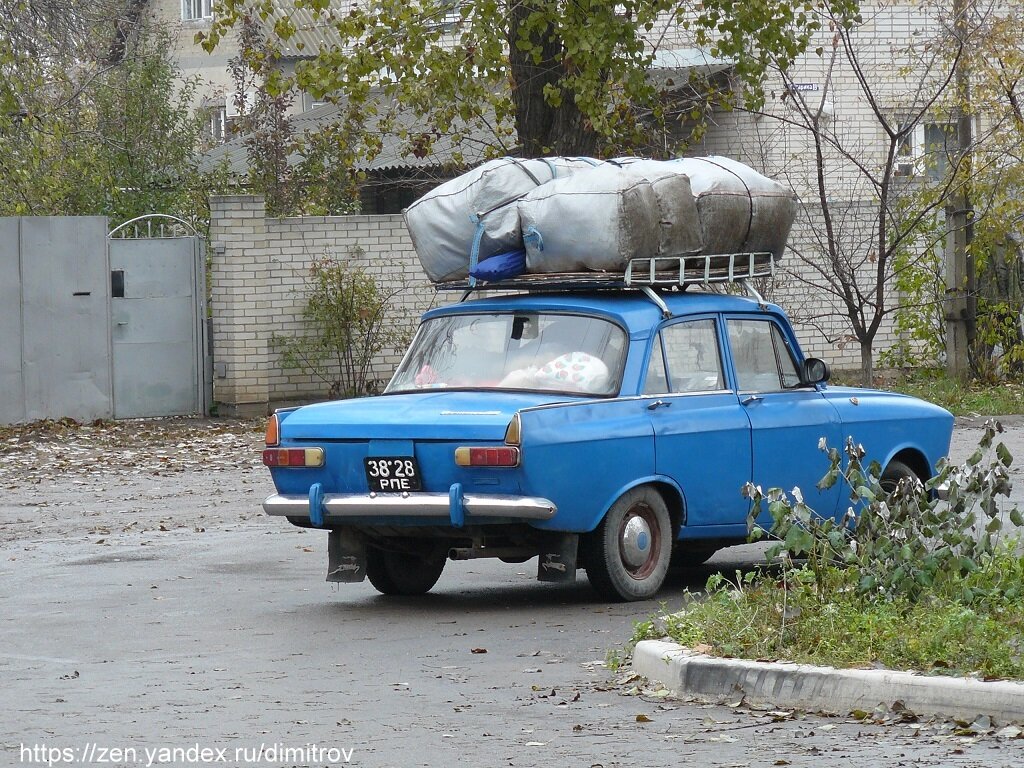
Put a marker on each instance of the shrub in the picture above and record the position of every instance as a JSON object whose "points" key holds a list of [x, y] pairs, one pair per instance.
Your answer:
{"points": [[347, 324], [905, 542], [904, 578]]}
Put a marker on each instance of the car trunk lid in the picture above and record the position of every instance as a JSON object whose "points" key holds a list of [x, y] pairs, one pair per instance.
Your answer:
{"points": [[448, 415]]}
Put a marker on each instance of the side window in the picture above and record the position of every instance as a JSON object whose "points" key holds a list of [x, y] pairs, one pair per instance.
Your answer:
{"points": [[763, 361], [790, 374], [656, 382], [691, 353]]}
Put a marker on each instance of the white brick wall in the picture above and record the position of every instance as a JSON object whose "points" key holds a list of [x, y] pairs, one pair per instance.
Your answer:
{"points": [[257, 278]]}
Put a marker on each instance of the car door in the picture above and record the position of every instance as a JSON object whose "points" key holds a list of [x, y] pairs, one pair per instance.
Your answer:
{"points": [[787, 419], [702, 435]]}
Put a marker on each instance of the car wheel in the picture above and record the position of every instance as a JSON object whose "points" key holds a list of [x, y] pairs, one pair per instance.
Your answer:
{"points": [[894, 472], [627, 555], [690, 555], [402, 573]]}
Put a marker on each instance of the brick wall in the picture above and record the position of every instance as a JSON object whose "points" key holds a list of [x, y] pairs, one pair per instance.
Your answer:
{"points": [[258, 277]]}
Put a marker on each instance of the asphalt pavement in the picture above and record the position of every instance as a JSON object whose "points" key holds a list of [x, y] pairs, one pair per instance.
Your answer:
{"points": [[151, 615]]}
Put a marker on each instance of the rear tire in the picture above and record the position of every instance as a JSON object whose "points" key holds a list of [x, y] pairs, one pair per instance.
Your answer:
{"points": [[627, 555], [402, 573]]}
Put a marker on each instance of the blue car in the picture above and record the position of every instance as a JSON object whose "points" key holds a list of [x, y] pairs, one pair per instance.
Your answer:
{"points": [[605, 429]]}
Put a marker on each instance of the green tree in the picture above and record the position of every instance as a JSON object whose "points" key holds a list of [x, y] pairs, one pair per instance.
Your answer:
{"points": [[878, 189], [112, 136], [985, 60], [296, 173], [531, 77], [995, 66]]}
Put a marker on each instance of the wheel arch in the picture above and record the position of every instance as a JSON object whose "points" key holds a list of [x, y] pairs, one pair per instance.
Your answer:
{"points": [[914, 459], [671, 493], [675, 502]]}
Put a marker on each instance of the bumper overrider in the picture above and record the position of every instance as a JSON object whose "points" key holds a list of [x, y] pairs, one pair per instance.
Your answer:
{"points": [[460, 508]]}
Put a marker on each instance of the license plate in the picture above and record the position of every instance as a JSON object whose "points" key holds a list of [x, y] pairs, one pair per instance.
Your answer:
{"points": [[392, 474]]}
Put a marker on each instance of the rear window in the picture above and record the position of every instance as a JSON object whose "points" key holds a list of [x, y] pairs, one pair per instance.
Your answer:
{"points": [[538, 352]]}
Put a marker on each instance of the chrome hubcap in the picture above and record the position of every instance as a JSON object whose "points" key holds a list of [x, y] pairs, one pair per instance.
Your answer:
{"points": [[636, 542]]}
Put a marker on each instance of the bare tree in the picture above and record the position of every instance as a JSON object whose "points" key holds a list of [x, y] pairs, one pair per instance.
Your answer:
{"points": [[876, 192]]}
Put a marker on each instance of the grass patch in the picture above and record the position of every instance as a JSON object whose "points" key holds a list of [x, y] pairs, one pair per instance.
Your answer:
{"points": [[765, 616], [966, 399], [971, 399]]}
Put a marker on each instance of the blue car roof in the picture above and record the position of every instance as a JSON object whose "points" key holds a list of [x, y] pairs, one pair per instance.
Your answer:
{"points": [[630, 307]]}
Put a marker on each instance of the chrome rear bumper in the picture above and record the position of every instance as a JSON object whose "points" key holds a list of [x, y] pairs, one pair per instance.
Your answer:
{"points": [[456, 506]]}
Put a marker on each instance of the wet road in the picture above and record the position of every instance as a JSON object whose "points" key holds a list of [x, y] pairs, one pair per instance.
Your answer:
{"points": [[148, 617]]}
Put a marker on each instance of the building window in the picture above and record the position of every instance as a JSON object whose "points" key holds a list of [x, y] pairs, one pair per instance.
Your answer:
{"points": [[193, 10], [927, 150], [218, 124]]}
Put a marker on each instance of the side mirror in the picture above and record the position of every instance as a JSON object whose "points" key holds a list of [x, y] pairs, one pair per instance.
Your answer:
{"points": [[815, 371]]}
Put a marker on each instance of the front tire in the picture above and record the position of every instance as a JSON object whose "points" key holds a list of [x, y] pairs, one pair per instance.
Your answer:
{"points": [[627, 555], [402, 573], [894, 472]]}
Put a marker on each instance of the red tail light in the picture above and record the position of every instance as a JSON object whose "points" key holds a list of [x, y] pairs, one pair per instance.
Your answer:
{"points": [[504, 456], [293, 457]]}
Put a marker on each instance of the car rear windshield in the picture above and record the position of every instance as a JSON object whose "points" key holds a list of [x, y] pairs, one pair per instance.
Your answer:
{"points": [[542, 352]]}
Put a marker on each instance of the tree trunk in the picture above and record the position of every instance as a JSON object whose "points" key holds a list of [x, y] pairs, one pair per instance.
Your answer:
{"points": [[543, 129], [867, 364]]}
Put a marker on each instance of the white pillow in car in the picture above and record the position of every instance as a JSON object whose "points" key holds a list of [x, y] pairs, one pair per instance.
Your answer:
{"points": [[574, 370]]}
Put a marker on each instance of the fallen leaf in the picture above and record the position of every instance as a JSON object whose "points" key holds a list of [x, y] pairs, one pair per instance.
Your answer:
{"points": [[643, 719], [478, 650]]}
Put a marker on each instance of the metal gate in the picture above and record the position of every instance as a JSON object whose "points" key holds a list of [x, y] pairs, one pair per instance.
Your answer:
{"points": [[54, 318], [161, 358]]}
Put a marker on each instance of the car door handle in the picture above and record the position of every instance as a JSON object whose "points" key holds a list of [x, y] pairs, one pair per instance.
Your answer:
{"points": [[751, 399], [658, 404]]}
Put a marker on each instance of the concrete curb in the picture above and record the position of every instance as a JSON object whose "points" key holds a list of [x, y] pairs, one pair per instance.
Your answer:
{"points": [[825, 689]]}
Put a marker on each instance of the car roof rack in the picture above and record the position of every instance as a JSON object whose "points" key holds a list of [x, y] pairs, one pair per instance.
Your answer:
{"points": [[645, 273]]}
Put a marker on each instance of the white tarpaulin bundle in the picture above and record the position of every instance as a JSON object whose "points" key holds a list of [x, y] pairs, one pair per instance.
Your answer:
{"points": [[740, 210], [596, 220], [576, 214], [478, 206]]}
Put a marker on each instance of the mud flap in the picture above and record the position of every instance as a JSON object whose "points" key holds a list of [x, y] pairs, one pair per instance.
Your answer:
{"points": [[558, 558], [346, 556]]}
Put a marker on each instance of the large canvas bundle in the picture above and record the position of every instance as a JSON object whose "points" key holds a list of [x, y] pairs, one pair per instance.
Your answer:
{"points": [[679, 230], [478, 207], [740, 210], [595, 220]]}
